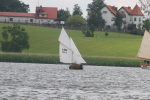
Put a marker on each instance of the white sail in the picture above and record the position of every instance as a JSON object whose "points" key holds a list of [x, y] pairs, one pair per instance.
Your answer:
{"points": [[144, 51], [77, 58], [68, 52]]}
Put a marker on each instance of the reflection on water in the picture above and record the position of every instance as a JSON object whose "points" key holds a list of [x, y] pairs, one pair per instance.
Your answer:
{"points": [[22, 81]]}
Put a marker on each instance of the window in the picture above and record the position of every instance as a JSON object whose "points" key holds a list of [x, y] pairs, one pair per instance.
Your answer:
{"points": [[31, 20], [122, 12], [42, 15], [105, 12], [112, 18], [11, 19], [139, 19], [134, 18]]}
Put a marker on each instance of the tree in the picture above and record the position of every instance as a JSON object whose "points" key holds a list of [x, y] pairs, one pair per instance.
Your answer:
{"points": [[13, 6], [15, 39], [94, 14], [76, 20], [77, 10], [118, 21], [145, 6], [106, 34], [63, 15], [147, 24]]}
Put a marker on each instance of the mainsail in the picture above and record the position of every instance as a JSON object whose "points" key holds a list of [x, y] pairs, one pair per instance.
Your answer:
{"points": [[68, 51], [144, 51]]}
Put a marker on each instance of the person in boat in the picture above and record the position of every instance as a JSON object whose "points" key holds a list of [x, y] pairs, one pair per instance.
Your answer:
{"points": [[145, 61], [70, 65]]}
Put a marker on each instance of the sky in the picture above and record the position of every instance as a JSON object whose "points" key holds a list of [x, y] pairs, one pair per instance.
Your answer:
{"points": [[63, 4]]}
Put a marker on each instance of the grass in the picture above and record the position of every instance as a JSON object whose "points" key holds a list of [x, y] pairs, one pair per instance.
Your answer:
{"points": [[44, 40], [54, 59]]}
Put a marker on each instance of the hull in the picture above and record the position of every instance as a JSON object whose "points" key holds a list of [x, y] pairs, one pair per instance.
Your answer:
{"points": [[76, 66], [145, 65]]}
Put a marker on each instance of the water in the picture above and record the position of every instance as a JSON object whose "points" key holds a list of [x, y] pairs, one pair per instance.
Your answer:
{"points": [[22, 81]]}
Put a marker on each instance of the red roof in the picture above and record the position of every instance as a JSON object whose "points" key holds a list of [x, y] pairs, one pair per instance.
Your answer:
{"points": [[17, 14], [113, 9], [128, 9], [136, 11], [50, 11]]}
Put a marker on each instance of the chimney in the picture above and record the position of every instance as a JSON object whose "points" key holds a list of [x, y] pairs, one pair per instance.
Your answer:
{"points": [[129, 7], [114, 8]]}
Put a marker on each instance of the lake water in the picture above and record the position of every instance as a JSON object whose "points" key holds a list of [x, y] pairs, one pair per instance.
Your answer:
{"points": [[25, 81]]}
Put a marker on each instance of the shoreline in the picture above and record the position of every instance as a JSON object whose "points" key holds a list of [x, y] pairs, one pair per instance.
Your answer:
{"points": [[54, 59]]}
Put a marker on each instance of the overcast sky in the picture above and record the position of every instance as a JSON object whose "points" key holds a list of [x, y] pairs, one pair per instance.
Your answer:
{"points": [[70, 4]]}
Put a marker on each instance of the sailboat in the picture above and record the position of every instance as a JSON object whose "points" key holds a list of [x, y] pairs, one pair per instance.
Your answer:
{"points": [[68, 52], [144, 51]]}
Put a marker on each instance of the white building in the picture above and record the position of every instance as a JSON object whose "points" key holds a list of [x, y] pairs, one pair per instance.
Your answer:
{"points": [[42, 15], [109, 14], [130, 16]]}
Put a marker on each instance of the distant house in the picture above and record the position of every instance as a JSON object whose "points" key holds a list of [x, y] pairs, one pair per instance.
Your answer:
{"points": [[134, 16], [41, 16], [109, 15], [130, 16]]}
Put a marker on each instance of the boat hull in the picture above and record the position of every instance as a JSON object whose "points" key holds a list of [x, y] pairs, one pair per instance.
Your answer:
{"points": [[145, 65], [76, 66]]}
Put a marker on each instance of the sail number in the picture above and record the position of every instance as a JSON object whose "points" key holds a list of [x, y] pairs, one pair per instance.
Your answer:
{"points": [[64, 50]]}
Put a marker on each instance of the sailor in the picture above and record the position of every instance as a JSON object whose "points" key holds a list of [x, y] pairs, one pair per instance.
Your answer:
{"points": [[70, 65]]}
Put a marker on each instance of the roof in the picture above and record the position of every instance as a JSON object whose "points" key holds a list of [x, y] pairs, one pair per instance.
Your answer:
{"points": [[17, 14], [50, 11], [136, 11], [128, 9], [113, 9]]}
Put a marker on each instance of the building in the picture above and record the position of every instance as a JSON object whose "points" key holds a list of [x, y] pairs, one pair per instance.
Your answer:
{"points": [[109, 14], [130, 16], [43, 15]]}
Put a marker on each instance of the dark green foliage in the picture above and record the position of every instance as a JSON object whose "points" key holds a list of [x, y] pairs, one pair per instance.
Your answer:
{"points": [[96, 20], [92, 29], [118, 21], [147, 24], [15, 39], [13, 6], [76, 20], [87, 33], [95, 6], [94, 14], [63, 15], [137, 32], [106, 34], [77, 10]]}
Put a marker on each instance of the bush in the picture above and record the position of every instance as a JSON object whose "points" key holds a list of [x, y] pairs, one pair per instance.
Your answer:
{"points": [[137, 32]]}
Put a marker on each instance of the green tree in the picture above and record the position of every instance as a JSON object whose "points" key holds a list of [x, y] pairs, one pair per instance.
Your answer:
{"points": [[15, 39], [76, 20], [63, 15], [147, 24], [106, 34], [13, 6], [94, 15], [118, 21], [77, 10]]}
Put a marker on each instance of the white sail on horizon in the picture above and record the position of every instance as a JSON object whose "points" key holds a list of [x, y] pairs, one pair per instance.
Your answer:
{"points": [[68, 51], [144, 51]]}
